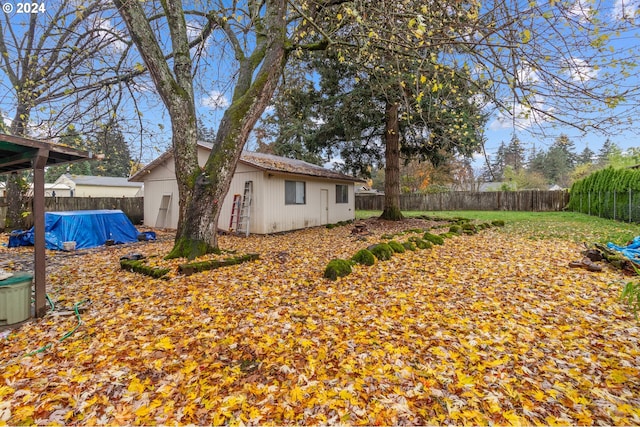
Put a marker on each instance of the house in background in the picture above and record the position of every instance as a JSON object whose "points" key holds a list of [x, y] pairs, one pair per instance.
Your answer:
{"points": [[52, 190], [99, 186], [286, 194]]}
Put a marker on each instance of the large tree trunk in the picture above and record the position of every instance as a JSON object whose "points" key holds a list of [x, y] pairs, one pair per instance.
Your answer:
{"points": [[15, 187], [202, 191], [13, 220], [197, 233], [392, 164]]}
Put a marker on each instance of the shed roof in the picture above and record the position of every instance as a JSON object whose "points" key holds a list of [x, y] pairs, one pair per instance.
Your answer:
{"points": [[265, 162]]}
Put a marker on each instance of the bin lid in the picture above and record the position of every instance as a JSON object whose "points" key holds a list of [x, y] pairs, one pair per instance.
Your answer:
{"points": [[16, 278]]}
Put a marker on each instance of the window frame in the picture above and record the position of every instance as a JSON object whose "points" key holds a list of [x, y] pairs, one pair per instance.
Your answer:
{"points": [[296, 201], [342, 195]]}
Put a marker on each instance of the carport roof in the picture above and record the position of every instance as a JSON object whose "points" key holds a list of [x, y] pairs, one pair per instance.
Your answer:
{"points": [[17, 153]]}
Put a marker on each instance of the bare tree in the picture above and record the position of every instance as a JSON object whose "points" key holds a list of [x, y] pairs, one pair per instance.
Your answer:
{"points": [[256, 32], [520, 55], [64, 66]]}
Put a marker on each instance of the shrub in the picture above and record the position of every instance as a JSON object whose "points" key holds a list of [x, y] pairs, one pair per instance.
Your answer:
{"points": [[469, 228], [410, 246], [396, 247], [364, 257], [382, 251], [414, 230], [433, 238], [421, 244], [448, 235], [498, 223], [455, 229], [337, 268], [387, 236]]}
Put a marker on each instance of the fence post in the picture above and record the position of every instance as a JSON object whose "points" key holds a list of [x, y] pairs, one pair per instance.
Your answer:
{"points": [[629, 205]]}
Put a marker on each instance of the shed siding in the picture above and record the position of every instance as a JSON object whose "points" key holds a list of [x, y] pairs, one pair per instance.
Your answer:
{"points": [[279, 216], [243, 174], [269, 213]]}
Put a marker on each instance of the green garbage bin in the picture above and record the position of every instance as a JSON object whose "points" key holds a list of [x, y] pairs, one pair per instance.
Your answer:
{"points": [[15, 298]]}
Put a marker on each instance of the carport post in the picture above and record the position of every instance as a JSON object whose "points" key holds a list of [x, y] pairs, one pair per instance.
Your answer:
{"points": [[39, 256]]}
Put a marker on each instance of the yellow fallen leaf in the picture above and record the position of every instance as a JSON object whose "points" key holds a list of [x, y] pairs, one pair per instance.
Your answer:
{"points": [[135, 386], [296, 394], [164, 344]]}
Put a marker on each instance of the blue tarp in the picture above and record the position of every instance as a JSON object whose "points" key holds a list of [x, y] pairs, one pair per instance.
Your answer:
{"points": [[631, 251], [87, 228]]}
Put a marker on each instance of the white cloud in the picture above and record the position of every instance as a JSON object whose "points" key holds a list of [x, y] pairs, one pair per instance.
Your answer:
{"points": [[521, 116], [626, 9], [582, 10], [107, 32], [527, 75], [580, 70], [194, 29], [215, 100]]}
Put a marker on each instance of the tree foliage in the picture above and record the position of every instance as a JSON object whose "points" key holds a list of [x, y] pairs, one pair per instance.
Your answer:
{"points": [[524, 57]]}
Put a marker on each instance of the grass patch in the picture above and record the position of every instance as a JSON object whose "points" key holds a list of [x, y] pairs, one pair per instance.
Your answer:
{"points": [[570, 226]]}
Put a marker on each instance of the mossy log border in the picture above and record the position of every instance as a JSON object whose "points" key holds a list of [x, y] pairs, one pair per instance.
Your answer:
{"points": [[138, 266], [196, 267]]}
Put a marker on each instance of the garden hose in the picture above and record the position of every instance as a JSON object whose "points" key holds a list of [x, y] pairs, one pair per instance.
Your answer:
{"points": [[50, 302], [68, 334]]}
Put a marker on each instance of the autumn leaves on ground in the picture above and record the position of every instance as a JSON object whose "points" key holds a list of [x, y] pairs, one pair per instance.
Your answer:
{"points": [[492, 328]]}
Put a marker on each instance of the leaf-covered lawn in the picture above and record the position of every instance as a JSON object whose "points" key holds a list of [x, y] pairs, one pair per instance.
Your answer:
{"points": [[490, 328]]}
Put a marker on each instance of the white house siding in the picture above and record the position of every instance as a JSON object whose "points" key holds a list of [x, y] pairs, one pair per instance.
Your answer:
{"points": [[269, 213], [161, 181], [243, 174], [104, 191], [279, 216]]}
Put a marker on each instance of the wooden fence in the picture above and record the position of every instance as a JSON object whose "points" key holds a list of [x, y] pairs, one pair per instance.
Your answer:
{"points": [[528, 201], [133, 207]]}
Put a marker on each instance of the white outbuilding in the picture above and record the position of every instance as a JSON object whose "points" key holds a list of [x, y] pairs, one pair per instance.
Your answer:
{"points": [[268, 193]]}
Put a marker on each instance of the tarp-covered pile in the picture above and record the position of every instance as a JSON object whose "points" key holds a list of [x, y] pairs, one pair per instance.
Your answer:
{"points": [[631, 251], [88, 229]]}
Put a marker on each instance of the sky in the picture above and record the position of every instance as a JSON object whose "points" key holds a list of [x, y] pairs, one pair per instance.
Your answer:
{"points": [[213, 94]]}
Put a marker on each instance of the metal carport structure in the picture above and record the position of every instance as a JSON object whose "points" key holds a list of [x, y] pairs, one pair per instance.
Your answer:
{"points": [[19, 154]]}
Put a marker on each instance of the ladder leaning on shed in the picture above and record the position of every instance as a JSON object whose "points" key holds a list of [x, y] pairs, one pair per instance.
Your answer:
{"points": [[235, 213], [245, 209]]}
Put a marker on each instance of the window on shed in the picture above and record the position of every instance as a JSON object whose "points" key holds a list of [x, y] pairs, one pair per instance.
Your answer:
{"points": [[294, 193], [342, 193]]}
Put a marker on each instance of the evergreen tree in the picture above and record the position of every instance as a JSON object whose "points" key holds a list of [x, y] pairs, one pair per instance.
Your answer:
{"points": [[109, 141], [499, 162], [514, 154], [366, 117], [205, 133], [117, 157], [608, 148], [586, 156], [560, 161]]}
